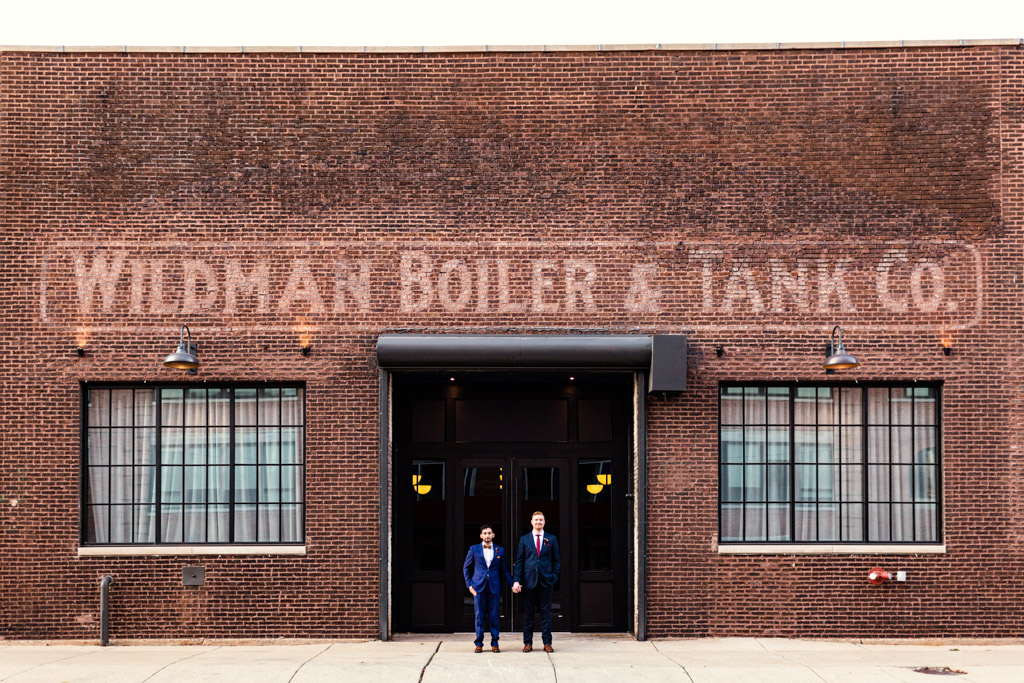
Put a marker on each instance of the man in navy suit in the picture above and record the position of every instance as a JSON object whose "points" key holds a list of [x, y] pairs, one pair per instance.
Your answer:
{"points": [[488, 565], [537, 567]]}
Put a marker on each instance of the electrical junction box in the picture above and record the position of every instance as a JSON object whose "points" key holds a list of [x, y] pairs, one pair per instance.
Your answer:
{"points": [[193, 576], [901, 576]]}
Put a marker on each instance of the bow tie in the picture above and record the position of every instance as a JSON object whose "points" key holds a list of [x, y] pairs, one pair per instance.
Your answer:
{"points": [[487, 546]]}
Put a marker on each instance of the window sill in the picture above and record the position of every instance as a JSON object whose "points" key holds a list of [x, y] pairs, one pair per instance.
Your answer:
{"points": [[826, 549], [137, 551]]}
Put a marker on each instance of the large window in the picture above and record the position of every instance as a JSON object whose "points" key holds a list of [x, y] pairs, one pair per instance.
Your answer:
{"points": [[194, 465], [836, 464]]}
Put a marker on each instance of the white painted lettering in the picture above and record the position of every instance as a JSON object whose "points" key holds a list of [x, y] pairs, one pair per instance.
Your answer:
{"points": [[156, 289], [707, 260], [414, 272], [580, 277], [483, 285], [301, 287], [785, 284], [104, 275], [930, 302], [740, 286], [347, 278], [543, 284], [885, 296], [137, 290], [505, 304], [833, 282], [237, 281], [194, 271], [643, 297], [454, 269]]}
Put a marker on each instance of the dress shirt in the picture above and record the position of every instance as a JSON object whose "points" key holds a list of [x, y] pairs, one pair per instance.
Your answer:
{"points": [[489, 554]]}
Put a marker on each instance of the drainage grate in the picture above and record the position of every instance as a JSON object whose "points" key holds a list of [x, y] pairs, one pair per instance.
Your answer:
{"points": [[939, 671]]}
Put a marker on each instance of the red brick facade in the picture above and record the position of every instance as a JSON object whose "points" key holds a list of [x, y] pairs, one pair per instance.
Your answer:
{"points": [[749, 199]]}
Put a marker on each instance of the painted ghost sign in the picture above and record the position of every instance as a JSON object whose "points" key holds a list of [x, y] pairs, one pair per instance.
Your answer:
{"points": [[372, 285]]}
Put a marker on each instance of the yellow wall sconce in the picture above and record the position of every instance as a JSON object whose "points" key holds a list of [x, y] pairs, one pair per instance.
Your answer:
{"points": [[421, 489], [602, 481]]}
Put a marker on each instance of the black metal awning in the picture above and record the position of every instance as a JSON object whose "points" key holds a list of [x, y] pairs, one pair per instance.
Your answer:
{"points": [[663, 357]]}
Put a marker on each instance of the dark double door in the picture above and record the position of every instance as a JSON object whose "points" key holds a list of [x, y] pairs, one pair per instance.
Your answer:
{"points": [[479, 452]]}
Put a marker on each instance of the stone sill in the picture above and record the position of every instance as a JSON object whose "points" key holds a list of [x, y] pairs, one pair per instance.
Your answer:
{"points": [[826, 549], [165, 550]]}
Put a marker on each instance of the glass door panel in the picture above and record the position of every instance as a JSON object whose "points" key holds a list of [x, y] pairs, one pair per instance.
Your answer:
{"points": [[597, 584], [542, 486], [483, 502], [424, 489]]}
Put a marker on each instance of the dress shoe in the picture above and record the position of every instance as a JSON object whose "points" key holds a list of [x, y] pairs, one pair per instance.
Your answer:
{"points": [[548, 648], [495, 649], [527, 648], [478, 649]]}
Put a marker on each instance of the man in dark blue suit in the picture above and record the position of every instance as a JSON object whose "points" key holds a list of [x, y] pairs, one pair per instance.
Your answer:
{"points": [[537, 567], [484, 568]]}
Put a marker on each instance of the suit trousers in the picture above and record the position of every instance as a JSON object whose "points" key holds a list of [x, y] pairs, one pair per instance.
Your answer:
{"points": [[533, 599], [487, 606]]}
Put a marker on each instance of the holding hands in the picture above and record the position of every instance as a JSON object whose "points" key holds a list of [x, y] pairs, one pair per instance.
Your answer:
{"points": [[516, 587]]}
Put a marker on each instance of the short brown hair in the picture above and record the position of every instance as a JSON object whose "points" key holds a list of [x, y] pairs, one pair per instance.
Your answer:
{"points": [[538, 512]]}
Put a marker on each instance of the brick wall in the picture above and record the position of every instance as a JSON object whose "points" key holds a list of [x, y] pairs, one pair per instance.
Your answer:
{"points": [[750, 199]]}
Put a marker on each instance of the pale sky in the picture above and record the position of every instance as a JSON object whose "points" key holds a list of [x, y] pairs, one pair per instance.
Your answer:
{"points": [[500, 22]]}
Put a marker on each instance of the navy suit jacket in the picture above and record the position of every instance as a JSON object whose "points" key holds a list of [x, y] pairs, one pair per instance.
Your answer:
{"points": [[531, 570], [481, 573]]}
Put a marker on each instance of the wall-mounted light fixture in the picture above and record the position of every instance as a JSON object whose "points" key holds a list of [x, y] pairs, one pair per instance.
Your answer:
{"points": [[80, 352], [947, 346], [602, 481], [421, 489], [719, 351], [837, 357], [305, 350], [185, 357]]}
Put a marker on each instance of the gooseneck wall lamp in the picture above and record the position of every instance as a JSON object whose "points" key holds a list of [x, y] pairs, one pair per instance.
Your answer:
{"points": [[185, 357], [838, 358]]}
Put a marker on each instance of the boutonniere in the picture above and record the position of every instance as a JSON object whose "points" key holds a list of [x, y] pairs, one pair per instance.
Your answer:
{"points": [[546, 542]]}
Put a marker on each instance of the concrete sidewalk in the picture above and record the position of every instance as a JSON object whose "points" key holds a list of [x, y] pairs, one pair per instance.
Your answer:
{"points": [[586, 659]]}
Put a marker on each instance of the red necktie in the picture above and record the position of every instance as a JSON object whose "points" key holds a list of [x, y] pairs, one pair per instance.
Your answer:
{"points": [[537, 536]]}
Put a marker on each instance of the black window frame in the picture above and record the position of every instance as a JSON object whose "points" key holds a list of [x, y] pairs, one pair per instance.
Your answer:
{"points": [[865, 502], [158, 388]]}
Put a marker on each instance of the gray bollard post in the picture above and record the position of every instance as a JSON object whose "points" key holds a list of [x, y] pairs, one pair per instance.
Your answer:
{"points": [[105, 609]]}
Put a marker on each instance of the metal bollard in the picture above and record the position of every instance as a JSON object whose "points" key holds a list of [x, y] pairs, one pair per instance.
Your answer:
{"points": [[105, 609]]}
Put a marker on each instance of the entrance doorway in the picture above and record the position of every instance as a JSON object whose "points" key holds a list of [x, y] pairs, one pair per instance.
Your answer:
{"points": [[493, 449]]}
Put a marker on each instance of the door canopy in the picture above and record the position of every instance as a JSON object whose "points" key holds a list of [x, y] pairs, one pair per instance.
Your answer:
{"points": [[661, 356]]}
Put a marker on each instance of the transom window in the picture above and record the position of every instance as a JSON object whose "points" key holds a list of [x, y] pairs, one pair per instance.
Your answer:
{"points": [[194, 465], [808, 464]]}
